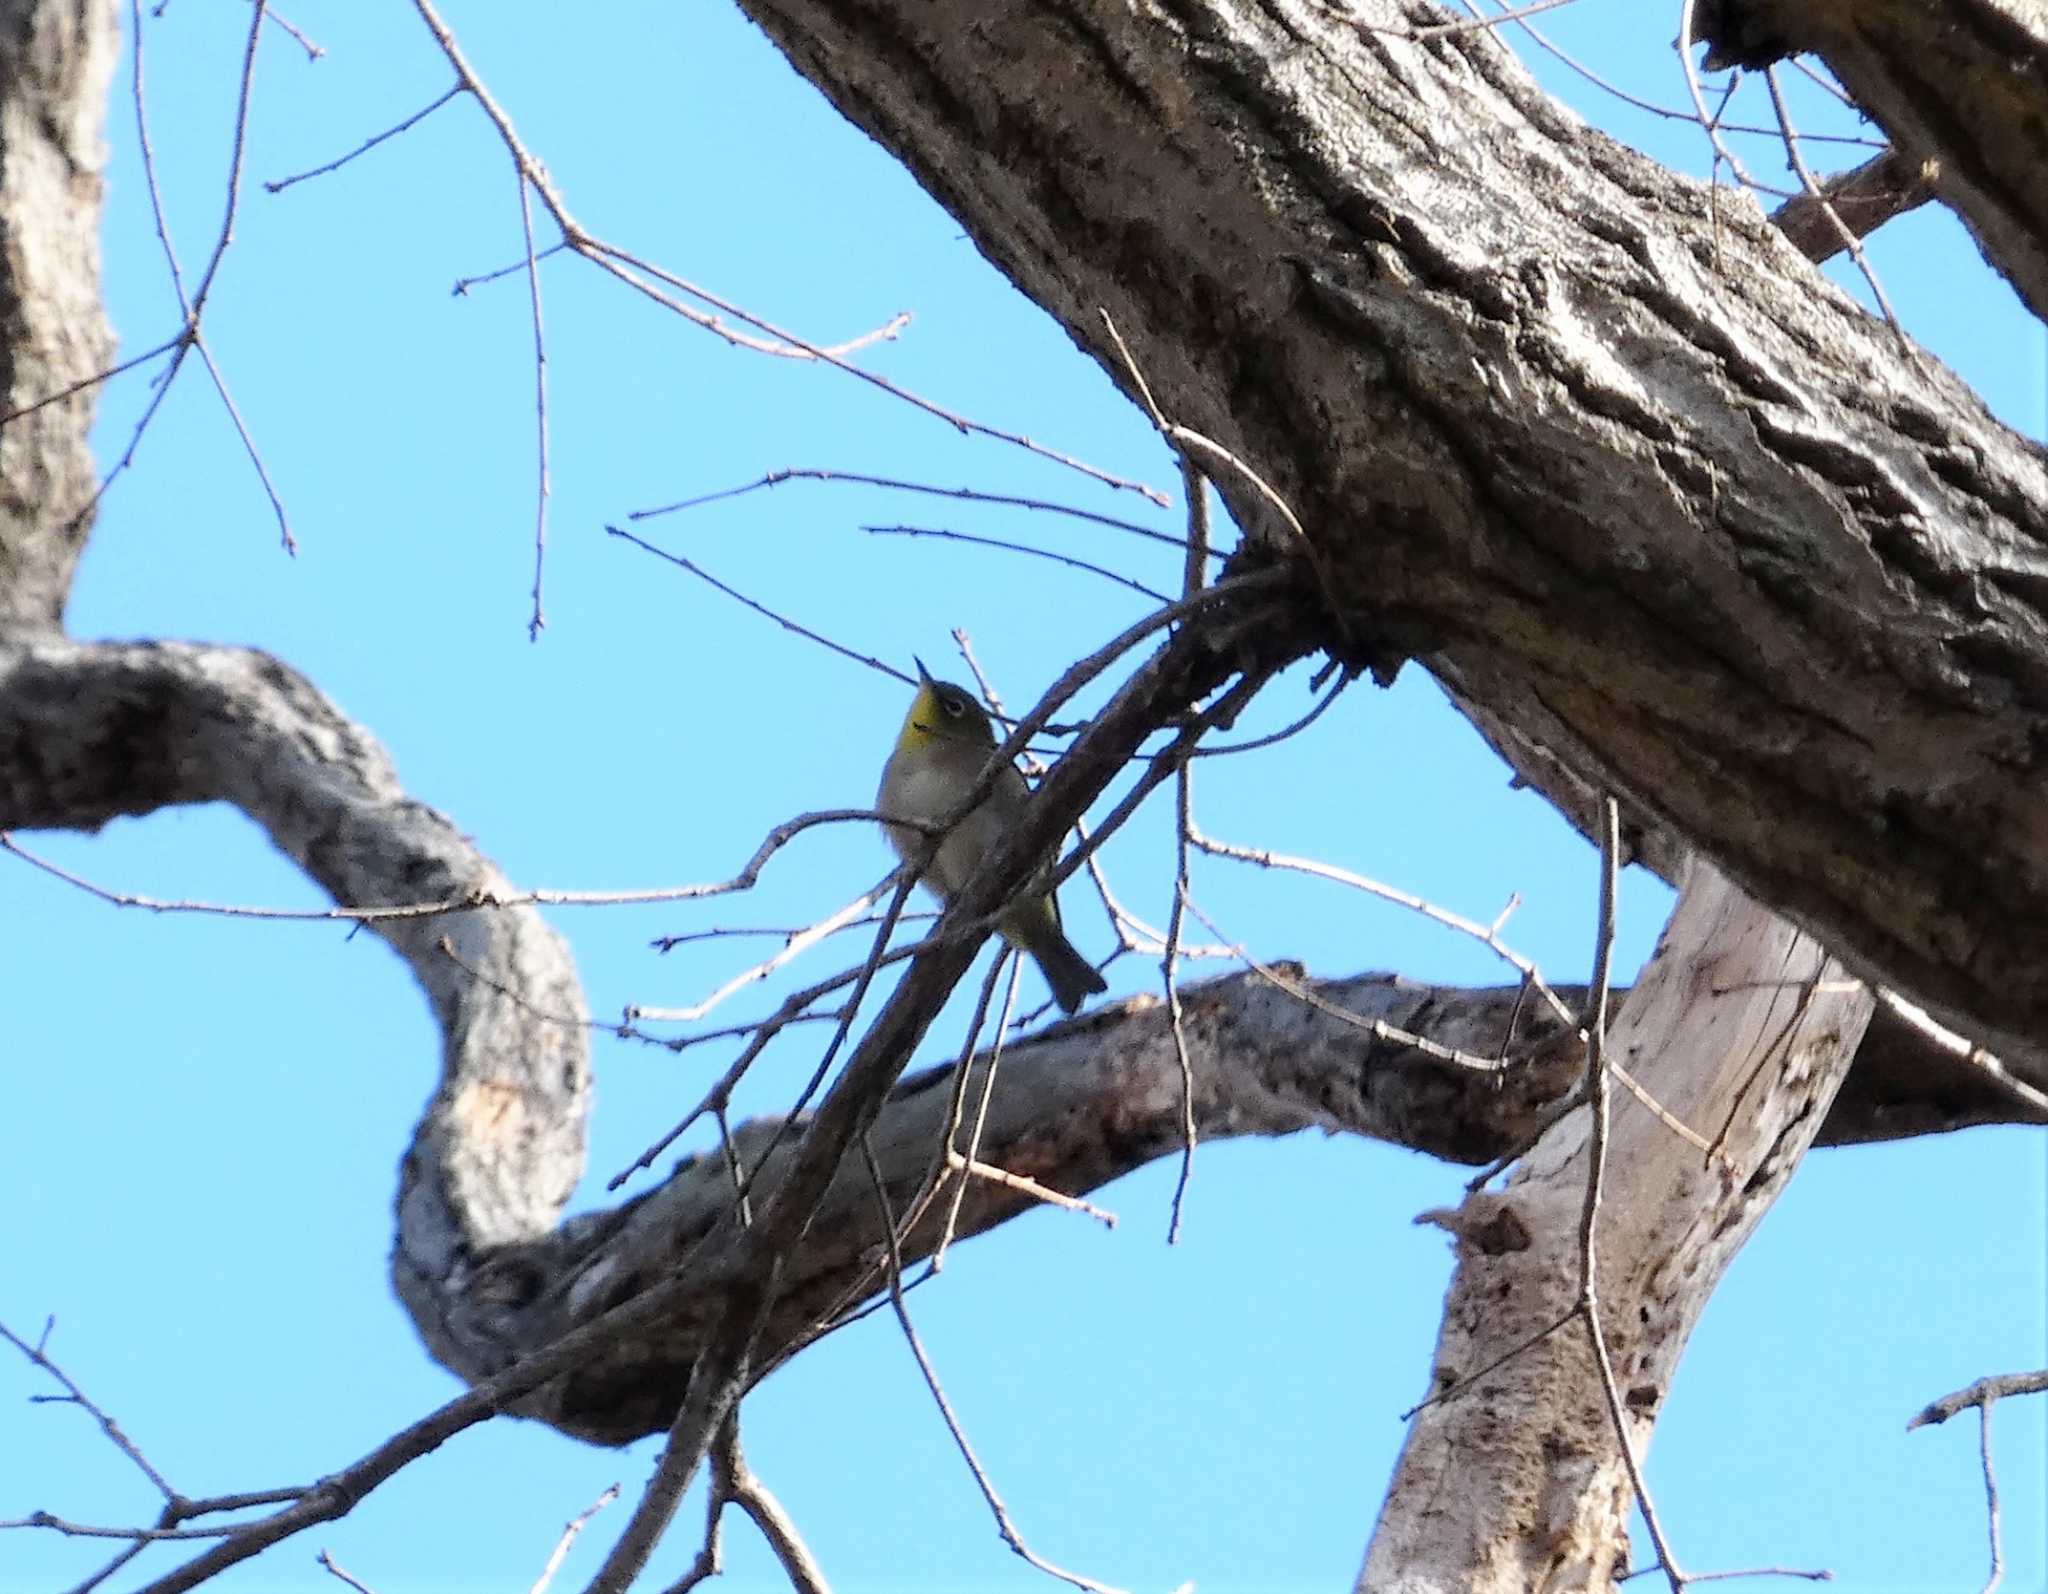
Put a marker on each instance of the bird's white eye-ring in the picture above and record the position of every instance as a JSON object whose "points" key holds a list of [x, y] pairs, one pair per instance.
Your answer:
{"points": [[953, 707]]}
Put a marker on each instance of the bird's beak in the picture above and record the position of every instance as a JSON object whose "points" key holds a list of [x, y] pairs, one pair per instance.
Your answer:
{"points": [[923, 674]]}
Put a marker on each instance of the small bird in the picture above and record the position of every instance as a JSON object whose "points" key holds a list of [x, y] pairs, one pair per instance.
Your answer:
{"points": [[945, 744]]}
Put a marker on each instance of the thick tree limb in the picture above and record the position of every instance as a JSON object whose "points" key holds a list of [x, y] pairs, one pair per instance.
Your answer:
{"points": [[1863, 200], [1625, 471], [56, 59], [1513, 1477], [1659, 504], [1965, 81], [91, 732]]}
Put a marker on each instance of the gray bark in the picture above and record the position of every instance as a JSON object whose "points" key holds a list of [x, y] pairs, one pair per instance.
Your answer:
{"points": [[55, 63], [89, 732], [1961, 82], [1621, 468], [1513, 1481], [1670, 514]]}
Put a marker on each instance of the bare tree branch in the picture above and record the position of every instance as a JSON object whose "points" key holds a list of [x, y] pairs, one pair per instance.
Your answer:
{"points": [[56, 60], [1637, 482], [1960, 83], [1862, 200], [1739, 1024]]}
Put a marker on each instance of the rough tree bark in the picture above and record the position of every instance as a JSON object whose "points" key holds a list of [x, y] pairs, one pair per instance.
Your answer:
{"points": [[1620, 466], [1961, 82], [55, 64], [1513, 1481], [1669, 513]]}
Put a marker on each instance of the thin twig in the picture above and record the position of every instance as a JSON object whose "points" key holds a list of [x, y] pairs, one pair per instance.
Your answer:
{"points": [[207, 278], [957, 1160], [960, 423], [1044, 1194], [1477, 24], [1595, 1089], [334, 1569], [1669, 112], [740, 1485], [91, 1530], [776, 478], [997, 1509], [1861, 200], [475, 901], [1452, 1391], [538, 621], [1709, 123], [193, 305], [518, 267], [635, 272], [1486, 936], [780, 932], [968, 1163], [1844, 235], [313, 51], [1991, 1519], [1185, 438], [1825, 83], [1183, 780], [38, 1356], [1961, 1047], [368, 144], [1378, 1028], [1195, 488], [741, 1202], [227, 399], [710, 1559], [1087, 566], [570, 1530], [794, 946], [760, 608], [1344, 677], [95, 1579], [95, 380]]}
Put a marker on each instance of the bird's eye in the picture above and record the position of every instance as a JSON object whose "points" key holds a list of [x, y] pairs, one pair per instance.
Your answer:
{"points": [[953, 706]]}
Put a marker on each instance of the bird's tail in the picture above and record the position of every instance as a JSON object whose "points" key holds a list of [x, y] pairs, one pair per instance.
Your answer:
{"points": [[1072, 977]]}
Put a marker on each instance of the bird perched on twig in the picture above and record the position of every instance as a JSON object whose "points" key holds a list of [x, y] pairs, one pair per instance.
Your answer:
{"points": [[945, 744]]}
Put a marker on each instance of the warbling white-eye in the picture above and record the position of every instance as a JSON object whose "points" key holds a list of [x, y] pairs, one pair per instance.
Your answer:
{"points": [[944, 746]]}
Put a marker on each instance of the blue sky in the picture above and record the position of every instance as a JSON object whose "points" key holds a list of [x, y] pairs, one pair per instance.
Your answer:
{"points": [[198, 1169]]}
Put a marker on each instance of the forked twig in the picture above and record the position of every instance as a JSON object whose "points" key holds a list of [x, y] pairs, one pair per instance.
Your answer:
{"points": [[570, 1529], [1005, 1525]]}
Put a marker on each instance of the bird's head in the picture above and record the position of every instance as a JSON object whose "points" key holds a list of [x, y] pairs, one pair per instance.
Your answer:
{"points": [[943, 712]]}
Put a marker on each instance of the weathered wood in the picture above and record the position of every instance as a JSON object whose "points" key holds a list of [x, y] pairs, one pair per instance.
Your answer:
{"points": [[56, 59], [1663, 507], [1618, 465], [1514, 1480], [91, 731], [1965, 81]]}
